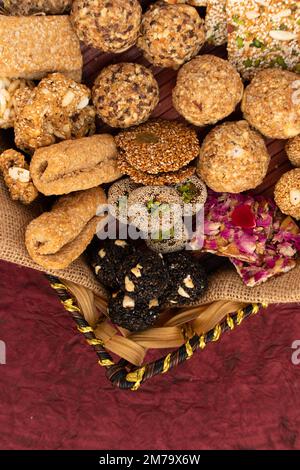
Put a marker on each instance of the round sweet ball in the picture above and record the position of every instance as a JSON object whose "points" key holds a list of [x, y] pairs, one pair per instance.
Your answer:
{"points": [[271, 103], [287, 193], [208, 89], [292, 149], [125, 94], [171, 34], [109, 25], [233, 158]]}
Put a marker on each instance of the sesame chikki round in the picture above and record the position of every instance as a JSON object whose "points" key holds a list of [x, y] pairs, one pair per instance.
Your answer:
{"points": [[171, 34], [159, 146], [109, 25], [287, 193], [208, 89], [171, 177], [125, 94], [271, 103], [292, 149]]}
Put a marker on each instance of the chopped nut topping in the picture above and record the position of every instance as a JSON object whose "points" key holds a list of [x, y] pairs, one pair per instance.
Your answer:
{"points": [[137, 270], [102, 253], [188, 282], [183, 293], [153, 303], [68, 98], [128, 302], [19, 174], [97, 269], [295, 196], [129, 285], [121, 243]]}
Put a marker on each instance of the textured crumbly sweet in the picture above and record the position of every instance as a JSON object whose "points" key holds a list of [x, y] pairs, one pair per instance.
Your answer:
{"points": [[208, 89], [171, 34], [168, 243], [17, 176], [263, 34], [158, 179], [154, 209], [109, 25], [118, 198], [233, 158], [33, 46], [216, 22], [195, 3], [125, 94], [159, 146], [31, 7], [74, 165], [271, 103], [105, 257], [292, 149], [132, 314], [287, 193], [193, 193], [56, 238], [57, 109], [8, 90], [188, 280], [143, 275]]}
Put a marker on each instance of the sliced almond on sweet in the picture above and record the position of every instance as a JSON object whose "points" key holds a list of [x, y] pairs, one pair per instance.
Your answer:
{"points": [[97, 269], [129, 286], [102, 253], [137, 270], [188, 282], [68, 98], [153, 303], [83, 103], [19, 174], [128, 302], [121, 243], [282, 35], [183, 293], [295, 197]]}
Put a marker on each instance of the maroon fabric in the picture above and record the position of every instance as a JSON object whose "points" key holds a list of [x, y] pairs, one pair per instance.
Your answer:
{"points": [[242, 392]]}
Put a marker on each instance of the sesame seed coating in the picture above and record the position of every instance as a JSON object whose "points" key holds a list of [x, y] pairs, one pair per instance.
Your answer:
{"points": [[287, 193], [30, 7], [233, 158], [271, 103], [292, 149], [171, 34], [31, 47], [159, 146], [125, 94], [263, 34], [208, 89], [159, 179], [109, 25], [216, 22]]}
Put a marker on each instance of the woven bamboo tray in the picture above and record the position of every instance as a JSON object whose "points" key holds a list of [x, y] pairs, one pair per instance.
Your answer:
{"points": [[122, 372]]}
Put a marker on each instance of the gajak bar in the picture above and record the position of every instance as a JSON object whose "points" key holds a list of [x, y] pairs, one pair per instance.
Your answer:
{"points": [[33, 46]]}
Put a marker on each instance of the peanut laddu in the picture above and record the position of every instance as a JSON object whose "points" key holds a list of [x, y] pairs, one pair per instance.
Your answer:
{"points": [[17, 176], [57, 109]]}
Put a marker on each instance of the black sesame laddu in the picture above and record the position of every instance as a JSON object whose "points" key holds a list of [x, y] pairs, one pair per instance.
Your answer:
{"points": [[143, 275], [131, 313], [187, 279], [105, 257]]}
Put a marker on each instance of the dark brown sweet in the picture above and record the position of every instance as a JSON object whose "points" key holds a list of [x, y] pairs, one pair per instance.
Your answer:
{"points": [[188, 280], [132, 314], [143, 275]]}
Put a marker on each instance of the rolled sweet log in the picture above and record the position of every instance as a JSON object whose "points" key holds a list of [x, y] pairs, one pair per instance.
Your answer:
{"points": [[56, 238], [74, 165], [31, 7], [33, 46]]}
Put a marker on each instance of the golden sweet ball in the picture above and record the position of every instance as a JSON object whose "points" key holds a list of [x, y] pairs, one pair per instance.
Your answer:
{"points": [[233, 158], [109, 25], [287, 193], [171, 34], [292, 149], [271, 103], [125, 94], [208, 89]]}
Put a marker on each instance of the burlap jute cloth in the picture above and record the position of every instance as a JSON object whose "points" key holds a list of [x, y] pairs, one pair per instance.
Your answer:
{"points": [[224, 284]]}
